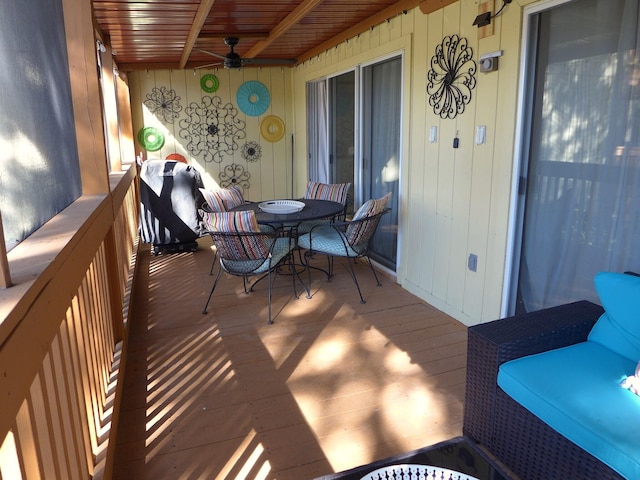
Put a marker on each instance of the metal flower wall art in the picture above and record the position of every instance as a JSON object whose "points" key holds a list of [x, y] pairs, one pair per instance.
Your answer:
{"points": [[251, 151], [212, 129], [163, 103], [452, 77]]}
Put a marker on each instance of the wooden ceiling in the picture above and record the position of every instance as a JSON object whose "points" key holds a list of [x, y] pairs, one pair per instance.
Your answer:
{"points": [[170, 34]]}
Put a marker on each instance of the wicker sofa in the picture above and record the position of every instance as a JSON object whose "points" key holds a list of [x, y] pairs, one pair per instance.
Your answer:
{"points": [[519, 439]]}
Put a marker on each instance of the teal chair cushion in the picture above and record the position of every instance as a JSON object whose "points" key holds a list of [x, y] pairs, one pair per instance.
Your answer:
{"points": [[280, 250], [575, 390], [328, 241]]}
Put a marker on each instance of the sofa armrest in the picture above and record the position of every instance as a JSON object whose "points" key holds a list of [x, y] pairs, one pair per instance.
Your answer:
{"points": [[494, 343]]}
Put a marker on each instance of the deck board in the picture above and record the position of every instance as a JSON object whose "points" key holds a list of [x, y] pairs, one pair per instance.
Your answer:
{"points": [[331, 385]]}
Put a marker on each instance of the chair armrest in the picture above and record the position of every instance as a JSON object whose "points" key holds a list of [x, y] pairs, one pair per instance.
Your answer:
{"points": [[494, 343], [538, 331]]}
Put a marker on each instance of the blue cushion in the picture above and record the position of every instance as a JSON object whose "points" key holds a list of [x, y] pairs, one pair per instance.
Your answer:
{"points": [[329, 241], [575, 390], [619, 327]]}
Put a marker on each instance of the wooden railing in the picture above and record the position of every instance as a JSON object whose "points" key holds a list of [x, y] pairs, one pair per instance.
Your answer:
{"points": [[63, 323]]}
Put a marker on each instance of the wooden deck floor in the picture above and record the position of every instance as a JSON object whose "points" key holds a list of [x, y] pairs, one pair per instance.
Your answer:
{"points": [[331, 385]]}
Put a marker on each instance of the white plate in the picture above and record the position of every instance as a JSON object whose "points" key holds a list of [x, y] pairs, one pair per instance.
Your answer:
{"points": [[281, 206]]}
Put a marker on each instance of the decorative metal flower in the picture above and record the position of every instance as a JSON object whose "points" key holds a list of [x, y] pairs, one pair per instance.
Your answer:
{"points": [[234, 174], [212, 129], [163, 103], [451, 77], [251, 151]]}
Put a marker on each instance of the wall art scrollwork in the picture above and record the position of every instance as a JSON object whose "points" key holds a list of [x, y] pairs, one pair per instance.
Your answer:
{"points": [[451, 77], [212, 129], [234, 174]]}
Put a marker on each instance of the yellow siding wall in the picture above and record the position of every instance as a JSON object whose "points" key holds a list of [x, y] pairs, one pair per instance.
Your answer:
{"points": [[270, 176], [454, 201]]}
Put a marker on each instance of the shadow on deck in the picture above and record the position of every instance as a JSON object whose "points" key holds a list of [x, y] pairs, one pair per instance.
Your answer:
{"points": [[332, 384]]}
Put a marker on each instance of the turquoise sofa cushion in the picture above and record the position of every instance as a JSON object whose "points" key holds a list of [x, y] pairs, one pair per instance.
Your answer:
{"points": [[575, 390], [619, 327]]}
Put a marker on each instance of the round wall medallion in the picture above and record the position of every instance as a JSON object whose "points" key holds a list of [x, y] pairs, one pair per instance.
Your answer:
{"points": [[253, 98], [151, 139], [209, 83], [177, 157], [272, 128]]}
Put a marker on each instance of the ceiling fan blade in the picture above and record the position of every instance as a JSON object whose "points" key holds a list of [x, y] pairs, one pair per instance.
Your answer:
{"points": [[269, 61], [207, 65], [221, 57]]}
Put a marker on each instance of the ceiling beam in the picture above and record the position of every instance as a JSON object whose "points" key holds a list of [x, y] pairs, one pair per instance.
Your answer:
{"points": [[376, 19], [289, 21], [196, 27], [240, 35], [429, 6]]}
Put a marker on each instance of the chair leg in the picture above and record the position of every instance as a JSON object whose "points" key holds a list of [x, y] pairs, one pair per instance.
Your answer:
{"points": [[294, 274], [213, 264], [374, 271], [350, 261], [215, 282], [308, 264], [269, 290]]}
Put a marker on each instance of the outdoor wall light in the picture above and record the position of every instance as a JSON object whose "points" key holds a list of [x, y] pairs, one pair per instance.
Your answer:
{"points": [[484, 19]]}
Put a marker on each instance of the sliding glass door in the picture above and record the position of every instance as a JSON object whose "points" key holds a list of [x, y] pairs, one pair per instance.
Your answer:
{"points": [[381, 123], [362, 108], [581, 204]]}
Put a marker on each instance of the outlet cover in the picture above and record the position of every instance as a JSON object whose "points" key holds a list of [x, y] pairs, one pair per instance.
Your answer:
{"points": [[472, 263]]}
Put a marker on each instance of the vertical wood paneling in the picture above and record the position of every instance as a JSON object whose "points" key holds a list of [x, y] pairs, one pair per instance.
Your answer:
{"points": [[463, 173]]}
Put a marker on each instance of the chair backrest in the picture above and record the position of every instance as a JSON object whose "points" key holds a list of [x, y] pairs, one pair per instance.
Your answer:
{"points": [[223, 199], [359, 231], [241, 244], [242, 252], [335, 192]]}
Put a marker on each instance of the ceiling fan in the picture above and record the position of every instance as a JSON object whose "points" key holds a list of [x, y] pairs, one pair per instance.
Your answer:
{"points": [[233, 60]]}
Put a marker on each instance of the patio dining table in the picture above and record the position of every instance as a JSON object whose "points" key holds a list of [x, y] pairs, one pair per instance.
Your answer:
{"points": [[313, 210]]}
